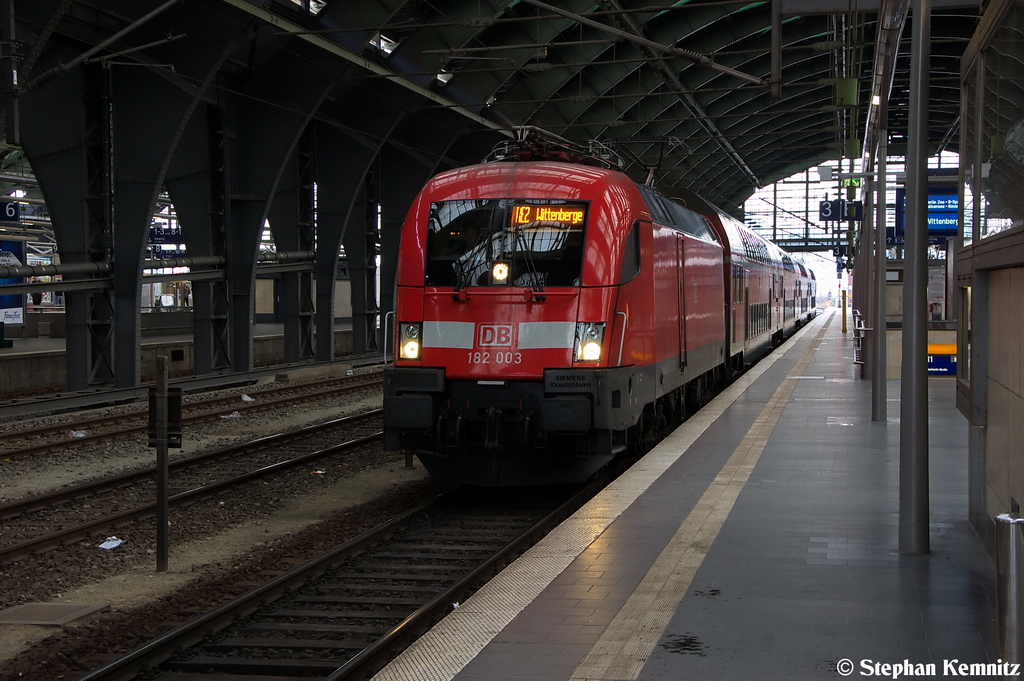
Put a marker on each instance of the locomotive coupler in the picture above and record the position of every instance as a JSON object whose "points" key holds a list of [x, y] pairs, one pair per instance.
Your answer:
{"points": [[492, 434], [453, 431]]}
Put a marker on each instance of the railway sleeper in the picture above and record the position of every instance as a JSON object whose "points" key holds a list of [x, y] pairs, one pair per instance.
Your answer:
{"points": [[307, 628], [332, 614], [390, 576], [419, 589], [234, 643], [224, 665], [364, 600]]}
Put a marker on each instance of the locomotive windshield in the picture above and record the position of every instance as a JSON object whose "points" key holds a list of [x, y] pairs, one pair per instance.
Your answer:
{"points": [[505, 242]]}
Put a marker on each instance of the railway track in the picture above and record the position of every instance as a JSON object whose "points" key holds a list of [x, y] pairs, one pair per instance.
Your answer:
{"points": [[46, 521], [103, 428], [345, 613]]}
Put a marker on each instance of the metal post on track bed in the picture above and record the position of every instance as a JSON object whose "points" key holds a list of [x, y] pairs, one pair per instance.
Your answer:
{"points": [[164, 433], [159, 405]]}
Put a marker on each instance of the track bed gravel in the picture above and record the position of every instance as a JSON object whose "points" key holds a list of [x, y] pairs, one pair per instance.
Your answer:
{"points": [[218, 548]]}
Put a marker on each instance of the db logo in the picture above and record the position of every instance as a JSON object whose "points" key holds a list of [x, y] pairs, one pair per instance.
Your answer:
{"points": [[493, 336]]}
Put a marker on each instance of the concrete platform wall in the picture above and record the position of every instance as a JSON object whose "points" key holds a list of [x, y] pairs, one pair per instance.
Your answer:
{"points": [[1004, 463], [894, 348], [25, 368]]}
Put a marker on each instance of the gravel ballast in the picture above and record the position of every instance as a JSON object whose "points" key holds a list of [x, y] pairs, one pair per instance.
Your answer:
{"points": [[219, 548]]}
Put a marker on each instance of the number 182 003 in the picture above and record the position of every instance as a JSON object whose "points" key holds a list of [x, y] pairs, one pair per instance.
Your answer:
{"points": [[495, 357]]}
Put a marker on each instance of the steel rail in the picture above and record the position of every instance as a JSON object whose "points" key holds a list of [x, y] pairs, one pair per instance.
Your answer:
{"points": [[53, 540], [192, 632], [195, 418], [15, 508], [377, 653], [56, 400]]}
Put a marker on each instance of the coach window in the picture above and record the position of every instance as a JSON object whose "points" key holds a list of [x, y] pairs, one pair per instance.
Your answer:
{"points": [[631, 254]]}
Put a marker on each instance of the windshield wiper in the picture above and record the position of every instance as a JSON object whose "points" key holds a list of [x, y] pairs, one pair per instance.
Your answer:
{"points": [[535, 278]]}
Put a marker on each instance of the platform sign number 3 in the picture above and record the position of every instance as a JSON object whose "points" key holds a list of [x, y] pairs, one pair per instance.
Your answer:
{"points": [[9, 210], [831, 210]]}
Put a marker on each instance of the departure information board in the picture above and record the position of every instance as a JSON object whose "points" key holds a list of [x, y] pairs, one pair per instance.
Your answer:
{"points": [[561, 214]]}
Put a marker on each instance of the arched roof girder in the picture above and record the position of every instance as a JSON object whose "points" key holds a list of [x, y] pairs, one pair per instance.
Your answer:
{"points": [[576, 80]]}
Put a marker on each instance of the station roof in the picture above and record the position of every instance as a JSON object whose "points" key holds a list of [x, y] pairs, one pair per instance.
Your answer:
{"points": [[684, 90]]}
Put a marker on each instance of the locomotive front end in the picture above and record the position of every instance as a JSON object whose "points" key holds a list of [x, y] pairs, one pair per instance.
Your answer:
{"points": [[497, 335]]}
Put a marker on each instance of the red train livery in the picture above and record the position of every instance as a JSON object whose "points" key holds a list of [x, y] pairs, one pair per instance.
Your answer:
{"points": [[551, 315]]}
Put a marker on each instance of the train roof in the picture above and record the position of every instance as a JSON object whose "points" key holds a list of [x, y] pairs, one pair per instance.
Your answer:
{"points": [[740, 239]]}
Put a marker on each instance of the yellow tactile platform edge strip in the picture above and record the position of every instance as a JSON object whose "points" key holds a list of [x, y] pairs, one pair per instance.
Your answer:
{"points": [[623, 649], [446, 649]]}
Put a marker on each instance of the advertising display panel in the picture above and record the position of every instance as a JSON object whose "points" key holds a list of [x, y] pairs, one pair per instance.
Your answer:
{"points": [[12, 307]]}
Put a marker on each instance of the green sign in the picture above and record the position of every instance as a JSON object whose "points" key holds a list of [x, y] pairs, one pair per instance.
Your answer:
{"points": [[850, 182]]}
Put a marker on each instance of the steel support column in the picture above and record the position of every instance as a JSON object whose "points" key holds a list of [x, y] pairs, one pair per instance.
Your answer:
{"points": [[362, 237], [879, 351], [96, 339], [148, 114], [340, 218], [65, 133], [198, 177], [197, 183], [9, 48], [866, 260], [212, 316], [268, 131], [294, 229], [914, 509]]}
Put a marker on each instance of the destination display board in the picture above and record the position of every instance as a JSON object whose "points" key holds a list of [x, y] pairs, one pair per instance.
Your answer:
{"points": [[561, 214]]}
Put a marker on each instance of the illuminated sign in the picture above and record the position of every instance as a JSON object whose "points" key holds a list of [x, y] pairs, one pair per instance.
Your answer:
{"points": [[943, 209], [943, 215], [12, 306], [566, 215]]}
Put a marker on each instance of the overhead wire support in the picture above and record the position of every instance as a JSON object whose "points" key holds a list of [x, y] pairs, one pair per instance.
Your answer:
{"points": [[46, 77], [156, 43]]}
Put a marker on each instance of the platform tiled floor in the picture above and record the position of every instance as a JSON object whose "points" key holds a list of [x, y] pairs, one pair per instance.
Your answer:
{"points": [[766, 550]]}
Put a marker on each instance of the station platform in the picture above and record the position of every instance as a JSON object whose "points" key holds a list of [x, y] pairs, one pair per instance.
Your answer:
{"points": [[758, 541], [41, 363]]}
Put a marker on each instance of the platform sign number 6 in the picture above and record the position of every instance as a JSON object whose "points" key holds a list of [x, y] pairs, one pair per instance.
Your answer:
{"points": [[9, 210]]}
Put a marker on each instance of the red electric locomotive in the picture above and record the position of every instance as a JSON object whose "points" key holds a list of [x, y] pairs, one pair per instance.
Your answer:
{"points": [[550, 315]]}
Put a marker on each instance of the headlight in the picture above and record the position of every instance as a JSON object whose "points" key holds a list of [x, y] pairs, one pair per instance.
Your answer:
{"points": [[411, 350], [589, 339], [409, 340], [500, 271], [591, 352]]}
